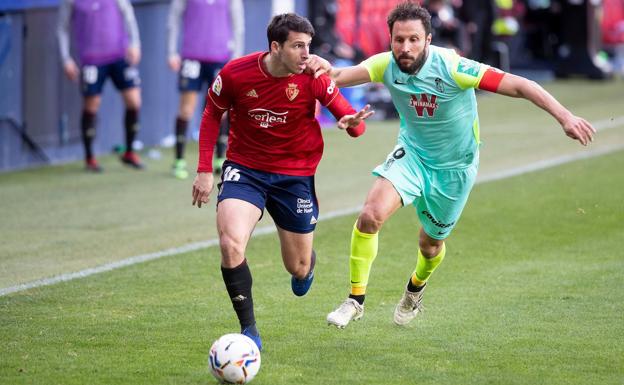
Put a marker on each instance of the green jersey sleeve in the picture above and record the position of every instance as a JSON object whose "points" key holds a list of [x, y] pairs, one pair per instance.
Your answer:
{"points": [[466, 73], [376, 66]]}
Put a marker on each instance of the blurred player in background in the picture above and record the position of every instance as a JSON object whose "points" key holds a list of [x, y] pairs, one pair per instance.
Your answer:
{"points": [[107, 42], [434, 165], [274, 148], [212, 33]]}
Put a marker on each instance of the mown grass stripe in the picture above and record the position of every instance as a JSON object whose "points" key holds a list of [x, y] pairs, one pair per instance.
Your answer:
{"points": [[488, 177]]}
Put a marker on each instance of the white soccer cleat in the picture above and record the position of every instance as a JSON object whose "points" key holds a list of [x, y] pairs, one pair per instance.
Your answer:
{"points": [[408, 307], [349, 310]]}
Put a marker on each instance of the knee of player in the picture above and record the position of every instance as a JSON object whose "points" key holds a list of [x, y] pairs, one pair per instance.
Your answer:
{"points": [[232, 249], [186, 111], [134, 104], [132, 99], [92, 104], [430, 247], [370, 220]]}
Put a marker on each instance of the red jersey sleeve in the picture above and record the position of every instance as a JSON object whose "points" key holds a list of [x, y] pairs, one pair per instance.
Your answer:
{"points": [[218, 100], [208, 133], [329, 95], [221, 91], [324, 90]]}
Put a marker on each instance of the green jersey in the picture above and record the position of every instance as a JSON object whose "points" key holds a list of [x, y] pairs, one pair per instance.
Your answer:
{"points": [[437, 106]]}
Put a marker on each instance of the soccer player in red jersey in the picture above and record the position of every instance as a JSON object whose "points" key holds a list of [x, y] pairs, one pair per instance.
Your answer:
{"points": [[274, 147]]}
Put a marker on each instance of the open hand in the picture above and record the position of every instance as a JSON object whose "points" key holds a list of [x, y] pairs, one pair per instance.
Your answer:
{"points": [[579, 129], [318, 66], [351, 121]]}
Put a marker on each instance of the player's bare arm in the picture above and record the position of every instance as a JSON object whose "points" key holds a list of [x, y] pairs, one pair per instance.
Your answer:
{"points": [[352, 121], [575, 127], [344, 77], [202, 187]]}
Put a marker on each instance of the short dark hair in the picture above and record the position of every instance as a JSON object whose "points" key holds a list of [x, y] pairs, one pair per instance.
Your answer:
{"points": [[410, 11], [281, 25]]}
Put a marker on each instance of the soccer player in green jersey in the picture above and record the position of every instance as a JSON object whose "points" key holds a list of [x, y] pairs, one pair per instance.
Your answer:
{"points": [[434, 164]]}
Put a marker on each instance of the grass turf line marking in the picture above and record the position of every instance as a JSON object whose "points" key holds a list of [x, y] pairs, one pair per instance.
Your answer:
{"points": [[535, 166]]}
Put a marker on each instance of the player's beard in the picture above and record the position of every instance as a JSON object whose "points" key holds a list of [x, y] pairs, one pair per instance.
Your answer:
{"points": [[417, 62]]}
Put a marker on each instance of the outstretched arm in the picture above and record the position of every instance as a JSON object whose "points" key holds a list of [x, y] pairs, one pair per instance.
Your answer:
{"points": [[351, 122], [518, 87], [344, 77]]}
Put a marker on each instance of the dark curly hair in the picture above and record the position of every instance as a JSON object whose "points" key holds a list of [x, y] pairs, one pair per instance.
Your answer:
{"points": [[410, 11], [281, 25]]}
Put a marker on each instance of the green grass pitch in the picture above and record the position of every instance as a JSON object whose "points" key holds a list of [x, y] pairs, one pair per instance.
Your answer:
{"points": [[530, 292]]}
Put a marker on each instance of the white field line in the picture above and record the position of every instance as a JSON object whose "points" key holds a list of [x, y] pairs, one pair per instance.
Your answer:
{"points": [[539, 165]]}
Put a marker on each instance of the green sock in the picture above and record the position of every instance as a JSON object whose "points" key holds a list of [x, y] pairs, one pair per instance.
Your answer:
{"points": [[363, 252], [426, 266]]}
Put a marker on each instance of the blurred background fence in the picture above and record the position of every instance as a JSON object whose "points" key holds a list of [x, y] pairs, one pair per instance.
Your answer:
{"points": [[40, 108]]}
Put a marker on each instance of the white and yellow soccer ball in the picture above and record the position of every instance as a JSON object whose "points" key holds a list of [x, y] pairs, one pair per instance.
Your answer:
{"points": [[234, 359]]}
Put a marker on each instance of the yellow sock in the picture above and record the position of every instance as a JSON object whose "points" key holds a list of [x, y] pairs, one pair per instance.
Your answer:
{"points": [[426, 266], [363, 252]]}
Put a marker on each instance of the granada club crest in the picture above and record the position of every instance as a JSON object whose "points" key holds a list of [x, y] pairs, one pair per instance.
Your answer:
{"points": [[292, 91]]}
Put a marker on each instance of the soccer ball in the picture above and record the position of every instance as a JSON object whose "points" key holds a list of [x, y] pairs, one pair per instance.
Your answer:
{"points": [[234, 359]]}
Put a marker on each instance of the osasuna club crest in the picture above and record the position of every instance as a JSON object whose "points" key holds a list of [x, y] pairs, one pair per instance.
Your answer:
{"points": [[292, 91]]}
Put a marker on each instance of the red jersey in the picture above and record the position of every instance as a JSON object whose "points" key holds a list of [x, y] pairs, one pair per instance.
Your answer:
{"points": [[272, 123]]}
